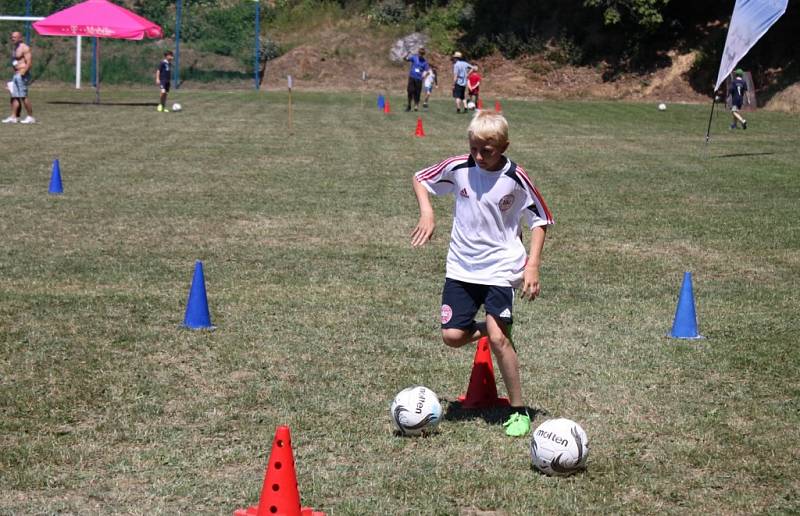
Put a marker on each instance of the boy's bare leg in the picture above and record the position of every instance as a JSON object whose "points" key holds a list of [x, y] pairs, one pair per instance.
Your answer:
{"points": [[456, 337], [507, 359]]}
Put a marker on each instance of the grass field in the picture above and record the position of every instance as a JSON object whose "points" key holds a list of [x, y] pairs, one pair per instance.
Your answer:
{"points": [[324, 311]]}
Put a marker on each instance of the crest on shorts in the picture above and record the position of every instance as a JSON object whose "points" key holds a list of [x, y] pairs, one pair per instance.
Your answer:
{"points": [[447, 314]]}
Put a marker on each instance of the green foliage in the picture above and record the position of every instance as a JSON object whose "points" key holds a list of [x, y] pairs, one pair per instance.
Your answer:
{"points": [[447, 24], [647, 13], [389, 12]]}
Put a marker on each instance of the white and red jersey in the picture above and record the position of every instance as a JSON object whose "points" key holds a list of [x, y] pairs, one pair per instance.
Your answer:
{"points": [[485, 243]]}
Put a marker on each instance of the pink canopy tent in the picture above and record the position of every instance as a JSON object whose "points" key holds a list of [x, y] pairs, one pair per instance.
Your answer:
{"points": [[99, 19]]}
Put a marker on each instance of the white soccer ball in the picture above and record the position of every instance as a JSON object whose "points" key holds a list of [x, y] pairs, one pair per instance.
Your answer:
{"points": [[559, 447], [177, 107], [415, 411], [662, 107], [470, 105]]}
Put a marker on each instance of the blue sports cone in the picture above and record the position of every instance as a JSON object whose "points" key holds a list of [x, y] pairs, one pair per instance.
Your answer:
{"points": [[685, 324], [197, 316], [55, 180], [381, 102]]}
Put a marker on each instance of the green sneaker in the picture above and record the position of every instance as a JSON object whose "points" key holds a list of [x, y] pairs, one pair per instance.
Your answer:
{"points": [[518, 425], [160, 108]]}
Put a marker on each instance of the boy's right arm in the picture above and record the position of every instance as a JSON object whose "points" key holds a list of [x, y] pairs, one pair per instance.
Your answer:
{"points": [[427, 223]]}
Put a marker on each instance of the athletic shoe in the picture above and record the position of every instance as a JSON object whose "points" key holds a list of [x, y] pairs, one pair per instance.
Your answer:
{"points": [[744, 124], [733, 126], [165, 110], [518, 425], [408, 108], [160, 108], [425, 105], [28, 120], [10, 120]]}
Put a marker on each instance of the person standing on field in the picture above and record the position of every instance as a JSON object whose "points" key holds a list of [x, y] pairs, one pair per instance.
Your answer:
{"points": [[419, 67], [21, 61], [461, 69], [487, 260], [163, 78]]}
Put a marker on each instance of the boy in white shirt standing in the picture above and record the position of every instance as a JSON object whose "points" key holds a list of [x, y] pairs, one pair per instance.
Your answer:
{"points": [[487, 259]]}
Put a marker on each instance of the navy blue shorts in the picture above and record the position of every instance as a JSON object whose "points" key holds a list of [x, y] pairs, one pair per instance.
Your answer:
{"points": [[461, 301], [165, 87]]}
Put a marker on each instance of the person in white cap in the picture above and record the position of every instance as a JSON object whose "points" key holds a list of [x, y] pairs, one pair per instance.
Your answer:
{"points": [[461, 69]]}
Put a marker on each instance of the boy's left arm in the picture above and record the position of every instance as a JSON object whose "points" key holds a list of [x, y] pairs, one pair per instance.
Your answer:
{"points": [[530, 276]]}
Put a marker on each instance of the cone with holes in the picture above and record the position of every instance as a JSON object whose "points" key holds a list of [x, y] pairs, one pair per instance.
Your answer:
{"points": [[482, 391], [279, 495], [497, 106], [480, 104], [386, 108], [419, 132]]}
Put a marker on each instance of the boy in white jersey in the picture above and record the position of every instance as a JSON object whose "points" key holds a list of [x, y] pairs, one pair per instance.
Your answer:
{"points": [[487, 258]]}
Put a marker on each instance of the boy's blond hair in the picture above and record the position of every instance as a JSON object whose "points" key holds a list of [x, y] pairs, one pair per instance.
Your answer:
{"points": [[489, 126]]}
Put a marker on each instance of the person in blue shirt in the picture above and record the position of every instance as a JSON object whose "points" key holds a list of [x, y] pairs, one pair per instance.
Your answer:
{"points": [[415, 74], [738, 92], [461, 70]]}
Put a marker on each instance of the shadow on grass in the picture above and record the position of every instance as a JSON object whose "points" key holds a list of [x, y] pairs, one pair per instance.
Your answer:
{"points": [[492, 415], [101, 103], [742, 154]]}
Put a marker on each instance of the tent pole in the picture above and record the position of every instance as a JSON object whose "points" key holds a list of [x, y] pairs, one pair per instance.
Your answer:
{"points": [[97, 70]]}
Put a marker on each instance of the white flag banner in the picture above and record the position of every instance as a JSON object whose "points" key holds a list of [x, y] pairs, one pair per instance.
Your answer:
{"points": [[750, 20]]}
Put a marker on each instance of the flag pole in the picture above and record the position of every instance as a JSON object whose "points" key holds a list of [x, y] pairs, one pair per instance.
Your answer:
{"points": [[711, 116]]}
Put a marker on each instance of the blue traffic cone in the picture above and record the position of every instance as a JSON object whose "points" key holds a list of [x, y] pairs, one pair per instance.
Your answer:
{"points": [[56, 187], [685, 324], [197, 316], [381, 102]]}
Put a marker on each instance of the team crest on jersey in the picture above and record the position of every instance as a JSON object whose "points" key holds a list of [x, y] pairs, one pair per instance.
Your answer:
{"points": [[464, 193], [447, 314], [506, 202]]}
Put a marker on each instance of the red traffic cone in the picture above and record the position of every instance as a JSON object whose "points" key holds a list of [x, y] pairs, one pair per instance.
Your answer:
{"points": [[279, 495], [497, 106], [419, 131], [386, 108], [482, 391], [480, 103]]}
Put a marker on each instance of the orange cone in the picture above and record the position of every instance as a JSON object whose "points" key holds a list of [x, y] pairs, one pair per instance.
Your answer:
{"points": [[480, 103], [279, 495], [482, 391], [419, 131], [386, 108], [497, 106]]}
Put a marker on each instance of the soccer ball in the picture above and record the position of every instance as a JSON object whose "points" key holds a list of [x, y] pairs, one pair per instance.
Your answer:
{"points": [[415, 411], [470, 105], [662, 107], [177, 107], [559, 447]]}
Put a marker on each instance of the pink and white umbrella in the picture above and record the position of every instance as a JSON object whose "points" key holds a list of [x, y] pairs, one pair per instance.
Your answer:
{"points": [[98, 19]]}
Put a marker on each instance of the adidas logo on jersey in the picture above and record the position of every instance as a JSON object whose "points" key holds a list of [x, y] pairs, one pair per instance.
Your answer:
{"points": [[505, 313], [464, 193]]}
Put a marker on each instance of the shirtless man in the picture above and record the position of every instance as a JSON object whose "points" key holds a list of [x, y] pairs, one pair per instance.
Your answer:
{"points": [[22, 62]]}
